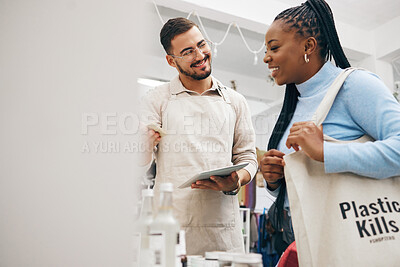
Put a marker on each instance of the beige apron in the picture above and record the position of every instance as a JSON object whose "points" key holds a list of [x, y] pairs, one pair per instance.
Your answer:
{"points": [[199, 137]]}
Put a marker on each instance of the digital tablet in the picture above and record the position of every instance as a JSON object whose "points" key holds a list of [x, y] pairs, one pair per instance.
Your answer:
{"points": [[217, 172]]}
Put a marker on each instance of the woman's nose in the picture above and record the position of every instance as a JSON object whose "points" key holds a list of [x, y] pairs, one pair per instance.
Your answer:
{"points": [[267, 58]]}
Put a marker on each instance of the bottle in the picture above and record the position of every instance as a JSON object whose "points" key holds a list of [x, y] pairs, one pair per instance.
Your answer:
{"points": [[225, 259], [164, 231], [247, 260], [211, 258], [136, 236], [181, 249], [193, 261], [197, 262], [143, 227]]}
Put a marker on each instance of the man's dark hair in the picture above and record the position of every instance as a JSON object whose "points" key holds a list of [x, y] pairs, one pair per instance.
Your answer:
{"points": [[172, 28], [312, 18]]}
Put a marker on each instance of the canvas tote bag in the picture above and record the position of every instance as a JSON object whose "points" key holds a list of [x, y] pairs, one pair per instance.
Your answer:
{"points": [[342, 219]]}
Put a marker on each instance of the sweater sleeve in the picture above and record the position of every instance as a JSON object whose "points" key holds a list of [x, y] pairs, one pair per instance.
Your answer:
{"points": [[372, 109], [273, 193]]}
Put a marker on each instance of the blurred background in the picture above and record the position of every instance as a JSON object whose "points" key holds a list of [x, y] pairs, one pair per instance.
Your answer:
{"points": [[68, 94]]}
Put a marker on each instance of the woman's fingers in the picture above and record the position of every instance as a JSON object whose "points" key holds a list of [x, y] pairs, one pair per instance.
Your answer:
{"points": [[272, 177], [271, 165], [271, 161], [270, 168], [309, 137], [274, 153]]}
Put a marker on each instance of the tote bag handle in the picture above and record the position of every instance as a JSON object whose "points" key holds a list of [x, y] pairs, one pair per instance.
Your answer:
{"points": [[327, 102]]}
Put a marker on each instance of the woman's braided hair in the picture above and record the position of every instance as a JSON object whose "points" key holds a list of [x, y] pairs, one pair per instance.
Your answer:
{"points": [[312, 18]]}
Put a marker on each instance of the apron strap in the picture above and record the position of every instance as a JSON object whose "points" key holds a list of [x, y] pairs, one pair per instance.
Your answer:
{"points": [[223, 91], [171, 95]]}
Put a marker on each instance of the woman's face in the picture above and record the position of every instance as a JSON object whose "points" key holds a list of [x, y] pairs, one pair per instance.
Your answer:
{"points": [[285, 54]]}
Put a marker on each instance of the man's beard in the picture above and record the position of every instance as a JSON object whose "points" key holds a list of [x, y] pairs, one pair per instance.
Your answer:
{"points": [[194, 75]]}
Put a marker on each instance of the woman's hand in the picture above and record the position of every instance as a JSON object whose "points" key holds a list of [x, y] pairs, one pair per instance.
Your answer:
{"points": [[271, 166], [309, 137]]}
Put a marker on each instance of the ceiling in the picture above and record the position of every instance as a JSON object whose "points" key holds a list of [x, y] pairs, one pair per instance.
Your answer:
{"points": [[233, 55], [365, 14]]}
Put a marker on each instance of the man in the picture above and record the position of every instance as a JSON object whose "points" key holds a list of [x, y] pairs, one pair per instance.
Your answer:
{"points": [[207, 126]]}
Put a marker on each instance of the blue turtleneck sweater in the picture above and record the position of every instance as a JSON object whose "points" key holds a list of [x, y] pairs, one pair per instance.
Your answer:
{"points": [[363, 106]]}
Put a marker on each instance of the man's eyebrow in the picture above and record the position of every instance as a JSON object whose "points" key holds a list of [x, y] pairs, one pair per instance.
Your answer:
{"points": [[200, 42], [188, 48], [185, 49]]}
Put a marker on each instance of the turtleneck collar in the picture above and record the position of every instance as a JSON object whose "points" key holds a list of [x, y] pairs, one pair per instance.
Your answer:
{"points": [[313, 85]]}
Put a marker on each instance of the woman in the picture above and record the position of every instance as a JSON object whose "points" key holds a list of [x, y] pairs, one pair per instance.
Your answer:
{"points": [[300, 43]]}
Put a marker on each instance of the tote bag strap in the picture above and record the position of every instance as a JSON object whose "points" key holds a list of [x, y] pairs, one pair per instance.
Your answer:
{"points": [[327, 102]]}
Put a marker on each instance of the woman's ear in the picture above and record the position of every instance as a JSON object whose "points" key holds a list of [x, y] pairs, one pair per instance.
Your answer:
{"points": [[170, 61], [310, 46]]}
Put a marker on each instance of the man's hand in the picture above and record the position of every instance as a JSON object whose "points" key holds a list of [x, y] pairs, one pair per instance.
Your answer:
{"points": [[153, 138], [309, 137], [150, 140], [226, 183], [271, 167]]}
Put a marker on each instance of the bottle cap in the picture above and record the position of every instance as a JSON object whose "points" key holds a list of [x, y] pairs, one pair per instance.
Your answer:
{"points": [[147, 193], [166, 187]]}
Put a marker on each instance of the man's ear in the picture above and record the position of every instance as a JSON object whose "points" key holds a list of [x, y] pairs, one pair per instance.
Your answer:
{"points": [[170, 61], [310, 45]]}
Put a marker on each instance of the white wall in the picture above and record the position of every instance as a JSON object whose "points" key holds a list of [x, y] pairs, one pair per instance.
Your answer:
{"points": [[387, 39], [251, 86], [59, 60]]}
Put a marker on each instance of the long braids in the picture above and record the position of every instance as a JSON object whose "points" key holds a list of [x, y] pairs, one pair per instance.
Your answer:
{"points": [[329, 30], [312, 18]]}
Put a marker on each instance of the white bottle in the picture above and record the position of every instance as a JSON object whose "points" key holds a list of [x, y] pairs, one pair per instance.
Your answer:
{"points": [[211, 258], [247, 260], [164, 231], [143, 227]]}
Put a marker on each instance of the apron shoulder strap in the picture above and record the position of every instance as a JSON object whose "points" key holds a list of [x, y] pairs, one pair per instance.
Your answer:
{"points": [[171, 95], [223, 91]]}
